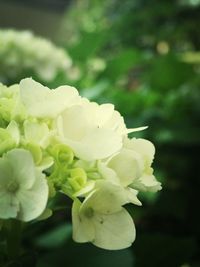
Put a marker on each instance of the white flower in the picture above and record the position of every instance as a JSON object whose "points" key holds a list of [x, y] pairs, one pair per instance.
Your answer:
{"points": [[41, 102], [147, 181], [23, 189], [102, 220], [111, 175], [93, 131], [22, 52], [131, 169]]}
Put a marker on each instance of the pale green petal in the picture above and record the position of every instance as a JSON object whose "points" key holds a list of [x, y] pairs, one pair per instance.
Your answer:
{"points": [[83, 230], [9, 205], [47, 213], [37, 132], [34, 200], [114, 231], [22, 164], [45, 163], [128, 165], [13, 129], [88, 187], [5, 173]]}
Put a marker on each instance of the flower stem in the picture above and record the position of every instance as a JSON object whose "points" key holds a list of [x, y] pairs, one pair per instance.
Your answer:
{"points": [[13, 239]]}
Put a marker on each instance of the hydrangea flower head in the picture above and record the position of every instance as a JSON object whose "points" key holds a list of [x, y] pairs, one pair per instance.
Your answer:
{"points": [[56, 142]]}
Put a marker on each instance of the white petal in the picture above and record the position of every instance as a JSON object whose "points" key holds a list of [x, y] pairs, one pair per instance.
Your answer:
{"points": [[132, 196], [40, 101], [5, 173], [33, 201], [107, 173], [74, 123], [128, 165], [36, 132], [150, 183], [13, 129], [99, 143], [83, 230], [106, 199], [9, 205], [132, 130], [21, 162], [114, 231], [143, 147]]}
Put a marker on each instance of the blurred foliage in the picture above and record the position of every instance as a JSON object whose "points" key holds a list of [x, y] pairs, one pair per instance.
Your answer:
{"points": [[143, 56]]}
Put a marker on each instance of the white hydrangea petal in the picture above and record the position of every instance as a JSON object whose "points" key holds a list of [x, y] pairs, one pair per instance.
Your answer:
{"points": [[99, 143], [9, 206], [107, 173], [83, 230], [40, 101], [143, 147], [103, 113], [128, 165], [33, 201], [5, 173], [116, 122], [21, 162], [132, 130], [13, 129], [150, 183], [132, 196], [114, 231], [74, 123], [106, 199], [36, 132]]}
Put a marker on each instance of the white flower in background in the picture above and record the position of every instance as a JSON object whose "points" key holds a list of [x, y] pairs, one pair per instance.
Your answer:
{"points": [[102, 220], [23, 53], [41, 102], [23, 189]]}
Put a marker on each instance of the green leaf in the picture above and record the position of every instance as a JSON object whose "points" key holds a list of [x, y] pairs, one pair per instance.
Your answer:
{"points": [[56, 237], [77, 255]]}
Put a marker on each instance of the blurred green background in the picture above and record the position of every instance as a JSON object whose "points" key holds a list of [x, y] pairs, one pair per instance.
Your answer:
{"points": [[144, 57]]}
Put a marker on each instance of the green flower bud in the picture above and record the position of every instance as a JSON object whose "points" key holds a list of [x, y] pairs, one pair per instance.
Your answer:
{"points": [[78, 179], [62, 154]]}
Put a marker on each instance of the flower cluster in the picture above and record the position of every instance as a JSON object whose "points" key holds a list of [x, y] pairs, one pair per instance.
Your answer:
{"points": [[55, 141], [22, 52]]}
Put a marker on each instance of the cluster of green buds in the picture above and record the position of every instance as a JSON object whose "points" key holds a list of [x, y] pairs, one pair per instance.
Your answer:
{"points": [[57, 142]]}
